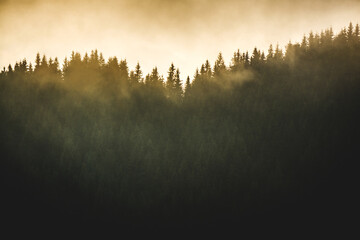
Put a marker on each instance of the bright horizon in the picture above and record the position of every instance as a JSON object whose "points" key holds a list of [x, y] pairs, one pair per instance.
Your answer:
{"points": [[159, 32]]}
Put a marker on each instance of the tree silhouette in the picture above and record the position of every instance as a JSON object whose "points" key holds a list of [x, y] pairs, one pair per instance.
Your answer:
{"points": [[273, 135], [170, 80], [219, 66]]}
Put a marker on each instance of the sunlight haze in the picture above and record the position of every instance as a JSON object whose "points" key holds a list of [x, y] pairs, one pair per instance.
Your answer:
{"points": [[159, 32]]}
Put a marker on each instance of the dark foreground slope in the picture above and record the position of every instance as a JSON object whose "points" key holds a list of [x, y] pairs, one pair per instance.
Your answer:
{"points": [[270, 141]]}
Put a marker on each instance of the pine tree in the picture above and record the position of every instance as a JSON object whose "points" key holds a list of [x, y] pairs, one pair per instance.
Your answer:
{"points": [[304, 43], [94, 59], [17, 67], [219, 66], [341, 38], [37, 62], [262, 57], [50, 63], [246, 60], [196, 75], [101, 60], [44, 63], [75, 58], [178, 85], [23, 66], [66, 69], [56, 65], [187, 87], [207, 68], [132, 78], [30, 69], [86, 59], [123, 71], [138, 73], [54, 72], [357, 33], [350, 32], [10, 69], [255, 58], [278, 53], [311, 40], [328, 37], [66, 64], [322, 38], [270, 54], [202, 70], [170, 80], [236, 61], [154, 79]]}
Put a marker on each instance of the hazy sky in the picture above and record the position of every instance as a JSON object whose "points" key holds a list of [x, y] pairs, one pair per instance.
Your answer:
{"points": [[158, 32]]}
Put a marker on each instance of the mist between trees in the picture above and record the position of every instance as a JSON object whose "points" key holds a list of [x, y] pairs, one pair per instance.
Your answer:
{"points": [[269, 132]]}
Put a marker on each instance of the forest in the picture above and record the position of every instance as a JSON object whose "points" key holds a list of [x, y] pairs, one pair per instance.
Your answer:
{"points": [[272, 137]]}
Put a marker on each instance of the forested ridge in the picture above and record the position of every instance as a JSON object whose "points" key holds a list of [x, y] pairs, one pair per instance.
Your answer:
{"points": [[273, 134]]}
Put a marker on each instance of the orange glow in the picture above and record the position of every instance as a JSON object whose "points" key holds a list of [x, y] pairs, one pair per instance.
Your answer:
{"points": [[158, 32]]}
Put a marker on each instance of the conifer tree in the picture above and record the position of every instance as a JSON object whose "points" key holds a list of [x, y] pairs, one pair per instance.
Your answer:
{"points": [[236, 61], [138, 73], [44, 63], [196, 75], [154, 79], [101, 60], [202, 70], [23, 66], [341, 39], [123, 75], [170, 80], [132, 78], [37, 62], [207, 68], [270, 54], [304, 43], [219, 66], [178, 85], [350, 32], [255, 58], [357, 33], [10, 69], [311, 40], [278, 53], [56, 65], [86, 59], [30, 69], [246, 60], [262, 57], [65, 64], [94, 59], [187, 86]]}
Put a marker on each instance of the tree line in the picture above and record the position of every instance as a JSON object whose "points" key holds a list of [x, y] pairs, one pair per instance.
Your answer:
{"points": [[272, 134]]}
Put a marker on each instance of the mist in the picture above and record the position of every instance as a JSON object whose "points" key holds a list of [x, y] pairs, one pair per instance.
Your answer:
{"points": [[157, 33], [94, 141]]}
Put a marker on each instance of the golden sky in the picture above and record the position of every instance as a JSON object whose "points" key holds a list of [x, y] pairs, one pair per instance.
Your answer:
{"points": [[158, 32]]}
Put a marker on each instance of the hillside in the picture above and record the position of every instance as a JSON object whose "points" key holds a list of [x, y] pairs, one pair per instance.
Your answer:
{"points": [[271, 139]]}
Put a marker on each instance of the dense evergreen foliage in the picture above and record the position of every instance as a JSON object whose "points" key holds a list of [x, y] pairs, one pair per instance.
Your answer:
{"points": [[273, 134]]}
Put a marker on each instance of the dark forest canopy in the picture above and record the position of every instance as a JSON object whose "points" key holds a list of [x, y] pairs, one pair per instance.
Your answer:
{"points": [[273, 130]]}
